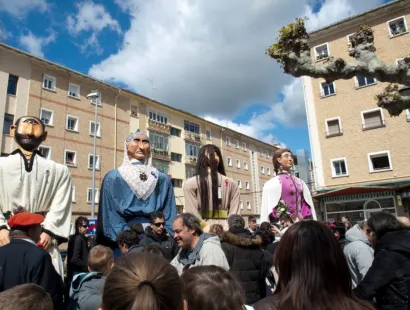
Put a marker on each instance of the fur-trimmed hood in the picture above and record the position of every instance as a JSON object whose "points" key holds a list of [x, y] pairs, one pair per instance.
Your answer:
{"points": [[241, 241]]}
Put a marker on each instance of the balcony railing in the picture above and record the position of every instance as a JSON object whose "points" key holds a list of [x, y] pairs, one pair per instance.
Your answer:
{"points": [[158, 126], [191, 136], [373, 124], [191, 160], [161, 154], [334, 133]]}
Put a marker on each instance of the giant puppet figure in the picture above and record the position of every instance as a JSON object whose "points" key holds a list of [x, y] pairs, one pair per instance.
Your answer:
{"points": [[211, 195], [31, 183], [132, 192], [286, 190]]}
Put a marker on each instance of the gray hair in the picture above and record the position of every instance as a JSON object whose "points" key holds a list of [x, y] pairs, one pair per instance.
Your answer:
{"points": [[133, 134], [191, 221], [236, 221]]}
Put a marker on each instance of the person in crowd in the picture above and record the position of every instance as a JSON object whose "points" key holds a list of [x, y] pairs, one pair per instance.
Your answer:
{"points": [[388, 278], [31, 183], [404, 221], [132, 192], [216, 229], [289, 189], [346, 222], [77, 249], [210, 195], [143, 281], [197, 248], [86, 288], [24, 260], [26, 297], [155, 248], [212, 288], [358, 252], [313, 272], [285, 221], [245, 258], [339, 230], [156, 233], [252, 226], [129, 242]]}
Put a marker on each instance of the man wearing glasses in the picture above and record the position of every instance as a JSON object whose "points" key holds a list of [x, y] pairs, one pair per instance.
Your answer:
{"points": [[156, 233]]}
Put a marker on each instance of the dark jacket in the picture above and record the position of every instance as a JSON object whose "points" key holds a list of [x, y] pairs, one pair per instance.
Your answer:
{"points": [[135, 249], [268, 303], [86, 291], [22, 262], [166, 242], [77, 255], [388, 279], [246, 261], [343, 242]]}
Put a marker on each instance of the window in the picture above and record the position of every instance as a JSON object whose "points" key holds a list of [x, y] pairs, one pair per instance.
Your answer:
{"points": [[175, 132], [47, 117], [229, 162], [91, 162], [364, 81], [8, 121], [241, 204], [12, 85], [247, 185], [176, 183], [72, 123], [73, 90], [239, 183], [262, 170], [327, 89], [397, 26], [192, 149], [176, 157], [322, 51], [228, 141], [208, 134], [191, 127], [96, 130], [244, 146], [90, 195], [245, 165], [158, 140], [73, 193], [49, 82], [408, 115], [237, 144], [238, 163], [248, 205], [134, 111], [190, 172], [379, 161], [158, 117], [372, 119], [261, 152], [268, 171], [45, 151], [333, 127], [161, 165], [339, 167], [70, 158]]}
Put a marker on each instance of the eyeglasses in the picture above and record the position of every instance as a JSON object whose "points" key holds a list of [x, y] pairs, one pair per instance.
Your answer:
{"points": [[84, 226], [287, 156], [159, 224]]}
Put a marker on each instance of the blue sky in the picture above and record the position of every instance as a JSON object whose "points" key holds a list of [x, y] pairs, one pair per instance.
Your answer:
{"points": [[205, 56]]}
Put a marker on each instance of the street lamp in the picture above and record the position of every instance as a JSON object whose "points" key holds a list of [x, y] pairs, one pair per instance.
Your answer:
{"points": [[93, 97]]}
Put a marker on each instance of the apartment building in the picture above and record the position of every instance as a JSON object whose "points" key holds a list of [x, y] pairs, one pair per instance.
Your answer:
{"points": [[360, 154], [34, 86]]}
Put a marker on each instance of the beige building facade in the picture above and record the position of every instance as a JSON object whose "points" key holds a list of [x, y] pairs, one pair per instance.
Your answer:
{"points": [[33, 86], [359, 152]]}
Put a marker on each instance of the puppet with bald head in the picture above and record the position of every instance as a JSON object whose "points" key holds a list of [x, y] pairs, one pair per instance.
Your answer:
{"points": [[31, 183], [132, 192]]}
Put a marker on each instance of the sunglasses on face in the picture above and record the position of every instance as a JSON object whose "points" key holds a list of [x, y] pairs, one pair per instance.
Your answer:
{"points": [[159, 224], [84, 226]]}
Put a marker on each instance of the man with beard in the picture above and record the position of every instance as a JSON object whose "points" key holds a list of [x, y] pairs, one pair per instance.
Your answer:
{"points": [[31, 183]]}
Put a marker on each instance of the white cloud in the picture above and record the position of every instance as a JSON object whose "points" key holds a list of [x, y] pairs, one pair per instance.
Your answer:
{"points": [[34, 44], [92, 19], [207, 56], [20, 8]]}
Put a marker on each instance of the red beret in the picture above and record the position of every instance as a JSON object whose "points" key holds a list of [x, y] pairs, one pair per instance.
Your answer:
{"points": [[25, 220]]}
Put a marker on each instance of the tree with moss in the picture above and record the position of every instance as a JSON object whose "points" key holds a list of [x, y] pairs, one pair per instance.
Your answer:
{"points": [[292, 52]]}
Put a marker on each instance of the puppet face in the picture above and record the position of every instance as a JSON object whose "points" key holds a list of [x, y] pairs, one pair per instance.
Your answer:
{"points": [[28, 133], [286, 160], [139, 147]]}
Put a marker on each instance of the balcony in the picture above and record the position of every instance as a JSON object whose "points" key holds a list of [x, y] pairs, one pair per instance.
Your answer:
{"points": [[190, 160], [161, 154], [334, 133], [368, 125], [158, 126], [193, 137]]}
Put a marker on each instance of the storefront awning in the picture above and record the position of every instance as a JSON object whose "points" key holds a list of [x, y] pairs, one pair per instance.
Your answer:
{"points": [[354, 190]]}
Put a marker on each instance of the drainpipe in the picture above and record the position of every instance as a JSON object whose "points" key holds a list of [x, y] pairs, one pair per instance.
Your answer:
{"points": [[115, 128]]}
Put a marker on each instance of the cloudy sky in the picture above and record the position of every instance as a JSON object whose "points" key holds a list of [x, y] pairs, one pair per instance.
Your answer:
{"points": [[203, 56]]}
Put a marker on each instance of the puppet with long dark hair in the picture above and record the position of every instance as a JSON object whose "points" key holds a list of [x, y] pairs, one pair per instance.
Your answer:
{"points": [[210, 195], [286, 189]]}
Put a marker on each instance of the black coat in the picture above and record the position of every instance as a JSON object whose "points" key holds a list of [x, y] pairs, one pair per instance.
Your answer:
{"points": [[77, 255], [388, 279], [167, 243], [22, 262], [246, 261]]}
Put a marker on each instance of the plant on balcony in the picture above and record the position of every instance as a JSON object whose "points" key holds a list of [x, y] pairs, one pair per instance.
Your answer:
{"points": [[161, 152], [322, 56], [293, 52]]}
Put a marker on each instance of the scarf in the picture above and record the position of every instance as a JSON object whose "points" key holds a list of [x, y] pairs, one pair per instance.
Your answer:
{"points": [[131, 175]]}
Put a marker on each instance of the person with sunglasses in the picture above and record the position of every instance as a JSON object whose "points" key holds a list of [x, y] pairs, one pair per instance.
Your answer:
{"points": [[155, 233]]}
